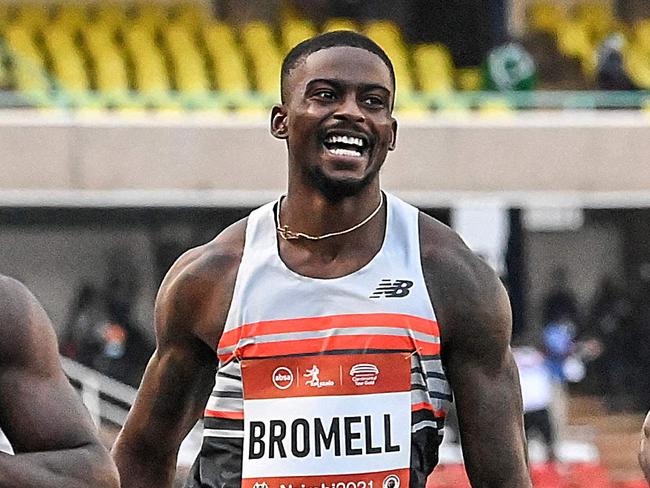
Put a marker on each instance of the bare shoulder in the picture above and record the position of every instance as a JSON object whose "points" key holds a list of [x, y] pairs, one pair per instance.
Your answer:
{"points": [[195, 295], [469, 299], [24, 325]]}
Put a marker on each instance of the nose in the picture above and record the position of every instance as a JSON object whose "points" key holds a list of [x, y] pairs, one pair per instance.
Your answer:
{"points": [[349, 109]]}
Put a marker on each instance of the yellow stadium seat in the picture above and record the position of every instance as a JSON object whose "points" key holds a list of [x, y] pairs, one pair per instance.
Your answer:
{"points": [[597, 17], [294, 31], [191, 15], [546, 16], [35, 16], [642, 35], [108, 65], [67, 62], [259, 44], [150, 73], [70, 16], [340, 24], [469, 79], [388, 36], [637, 65], [226, 59], [27, 61], [188, 63], [112, 15], [574, 40], [434, 68], [151, 16]]}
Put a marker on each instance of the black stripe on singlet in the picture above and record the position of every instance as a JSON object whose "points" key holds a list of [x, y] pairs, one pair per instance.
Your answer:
{"points": [[429, 374], [229, 376], [223, 424], [227, 394], [432, 357]]}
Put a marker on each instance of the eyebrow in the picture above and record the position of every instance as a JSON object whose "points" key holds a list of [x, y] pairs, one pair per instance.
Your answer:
{"points": [[340, 85]]}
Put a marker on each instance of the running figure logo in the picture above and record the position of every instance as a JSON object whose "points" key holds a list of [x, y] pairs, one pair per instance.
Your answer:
{"points": [[314, 379], [392, 289], [313, 375]]}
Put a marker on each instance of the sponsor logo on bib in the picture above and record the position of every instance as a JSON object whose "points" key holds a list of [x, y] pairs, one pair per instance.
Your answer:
{"points": [[314, 380], [364, 374], [282, 378], [391, 481]]}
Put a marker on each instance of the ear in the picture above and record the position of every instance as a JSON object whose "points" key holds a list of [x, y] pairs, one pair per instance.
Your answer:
{"points": [[279, 127], [393, 140]]}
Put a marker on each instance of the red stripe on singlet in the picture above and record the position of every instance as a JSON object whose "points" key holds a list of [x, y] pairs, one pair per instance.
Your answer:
{"points": [[419, 324], [427, 406], [335, 343], [223, 415]]}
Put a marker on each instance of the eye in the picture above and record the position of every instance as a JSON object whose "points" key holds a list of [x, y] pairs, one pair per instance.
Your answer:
{"points": [[374, 101], [325, 94]]}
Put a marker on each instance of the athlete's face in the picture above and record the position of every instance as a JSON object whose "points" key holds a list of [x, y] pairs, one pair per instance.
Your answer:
{"points": [[337, 118]]}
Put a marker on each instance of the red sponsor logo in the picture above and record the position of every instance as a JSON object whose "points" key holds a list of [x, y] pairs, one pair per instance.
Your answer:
{"points": [[364, 374], [282, 378]]}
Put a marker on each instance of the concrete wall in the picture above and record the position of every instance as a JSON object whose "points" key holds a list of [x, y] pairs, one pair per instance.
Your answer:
{"points": [[540, 152]]}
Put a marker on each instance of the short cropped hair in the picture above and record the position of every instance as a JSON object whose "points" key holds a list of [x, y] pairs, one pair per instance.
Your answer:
{"points": [[341, 38]]}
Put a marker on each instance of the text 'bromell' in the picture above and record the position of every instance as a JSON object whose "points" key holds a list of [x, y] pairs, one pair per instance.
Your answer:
{"points": [[345, 436]]}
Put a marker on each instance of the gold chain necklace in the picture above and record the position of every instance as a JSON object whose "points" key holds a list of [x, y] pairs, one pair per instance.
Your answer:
{"points": [[289, 235]]}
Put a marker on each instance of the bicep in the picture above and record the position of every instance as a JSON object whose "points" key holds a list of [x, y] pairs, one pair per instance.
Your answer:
{"points": [[39, 409]]}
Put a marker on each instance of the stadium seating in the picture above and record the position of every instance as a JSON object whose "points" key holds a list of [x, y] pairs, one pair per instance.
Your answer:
{"points": [[177, 54]]}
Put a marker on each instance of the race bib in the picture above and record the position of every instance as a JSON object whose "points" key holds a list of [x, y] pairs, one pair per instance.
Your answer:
{"points": [[331, 421]]}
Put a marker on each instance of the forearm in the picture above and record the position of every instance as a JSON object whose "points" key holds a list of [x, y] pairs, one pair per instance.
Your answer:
{"points": [[82, 467], [493, 438], [140, 470]]}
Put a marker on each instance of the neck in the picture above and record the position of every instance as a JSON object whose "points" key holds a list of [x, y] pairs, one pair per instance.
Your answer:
{"points": [[313, 213]]}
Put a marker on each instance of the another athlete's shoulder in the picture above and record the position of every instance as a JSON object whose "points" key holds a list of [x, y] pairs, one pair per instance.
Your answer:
{"points": [[23, 322], [16, 300], [197, 289]]}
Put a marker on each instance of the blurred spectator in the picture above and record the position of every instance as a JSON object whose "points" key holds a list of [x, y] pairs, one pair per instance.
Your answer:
{"points": [[537, 394], [610, 323], [82, 338], [560, 303], [610, 68], [560, 312], [102, 332], [638, 351]]}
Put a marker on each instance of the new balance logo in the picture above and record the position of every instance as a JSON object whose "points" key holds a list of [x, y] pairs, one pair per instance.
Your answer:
{"points": [[392, 289]]}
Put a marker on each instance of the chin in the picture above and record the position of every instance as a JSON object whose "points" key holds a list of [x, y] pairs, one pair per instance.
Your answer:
{"points": [[335, 187]]}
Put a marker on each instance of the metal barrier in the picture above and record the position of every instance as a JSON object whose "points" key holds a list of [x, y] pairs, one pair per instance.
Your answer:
{"points": [[105, 398]]}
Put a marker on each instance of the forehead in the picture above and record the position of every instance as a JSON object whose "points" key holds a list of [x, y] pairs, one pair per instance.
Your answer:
{"points": [[349, 65]]}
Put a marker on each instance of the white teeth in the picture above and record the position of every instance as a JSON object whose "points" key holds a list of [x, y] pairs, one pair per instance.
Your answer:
{"points": [[345, 152], [345, 140]]}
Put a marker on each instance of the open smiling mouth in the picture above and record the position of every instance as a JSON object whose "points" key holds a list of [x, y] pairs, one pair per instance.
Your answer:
{"points": [[349, 146]]}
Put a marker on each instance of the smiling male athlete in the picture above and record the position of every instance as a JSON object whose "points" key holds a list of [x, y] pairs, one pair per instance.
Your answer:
{"points": [[339, 319], [48, 427]]}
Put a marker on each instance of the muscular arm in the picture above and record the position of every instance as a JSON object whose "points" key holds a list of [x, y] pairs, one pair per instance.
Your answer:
{"points": [[644, 453], [41, 414], [475, 322], [191, 310]]}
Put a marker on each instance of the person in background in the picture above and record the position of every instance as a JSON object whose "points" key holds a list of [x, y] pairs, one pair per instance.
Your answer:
{"points": [[537, 394]]}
